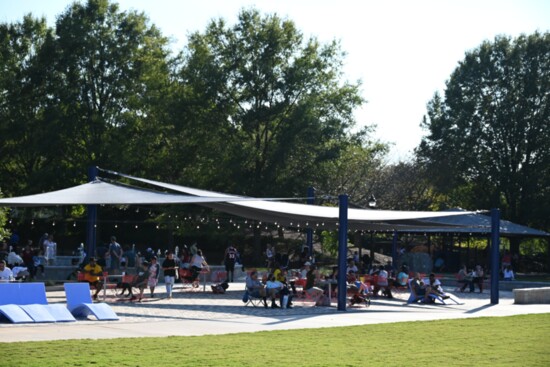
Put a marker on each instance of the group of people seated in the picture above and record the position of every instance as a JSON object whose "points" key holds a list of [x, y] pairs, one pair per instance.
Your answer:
{"points": [[426, 291], [470, 277], [147, 276], [275, 287]]}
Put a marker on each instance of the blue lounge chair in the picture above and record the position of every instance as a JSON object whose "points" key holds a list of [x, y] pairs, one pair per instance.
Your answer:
{"points": [[33, 300], [9, 308], [79, 303]]}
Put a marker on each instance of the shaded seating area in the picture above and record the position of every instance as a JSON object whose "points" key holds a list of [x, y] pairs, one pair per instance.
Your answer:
{"points": [[79, 303], [27, 303]]}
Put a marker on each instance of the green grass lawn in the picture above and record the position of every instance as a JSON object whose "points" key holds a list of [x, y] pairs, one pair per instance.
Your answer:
{"points": [[490, 341]]}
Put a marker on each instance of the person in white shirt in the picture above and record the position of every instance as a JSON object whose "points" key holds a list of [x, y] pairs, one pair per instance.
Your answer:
{"points": [[273, 287], [5, 273], [508, 273], [13, 258], [20, 272], [50, 248]]}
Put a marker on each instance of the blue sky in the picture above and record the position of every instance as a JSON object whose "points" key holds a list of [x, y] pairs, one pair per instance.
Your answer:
{"points": [[403, 51]]}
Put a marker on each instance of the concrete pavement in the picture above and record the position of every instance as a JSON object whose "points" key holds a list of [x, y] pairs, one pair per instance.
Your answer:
{"points": [[191, 313]]}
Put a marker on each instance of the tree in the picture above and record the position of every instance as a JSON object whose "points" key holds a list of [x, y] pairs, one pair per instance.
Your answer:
{"points": [[23, 99], [272, 106], [356, 172], [110, 70], [488, 142]]}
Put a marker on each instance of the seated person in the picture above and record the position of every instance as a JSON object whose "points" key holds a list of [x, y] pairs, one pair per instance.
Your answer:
{"points": [[20, 272], [508, 273], [465, 278], [435, 287], [351, 271], [478, 276], [419, 290], [276, 288], [139, 282], [311, 278], [281, 275], [382, 283], [5, 273], [402, 277], [92, 272], [255, 287], [273, 288]]}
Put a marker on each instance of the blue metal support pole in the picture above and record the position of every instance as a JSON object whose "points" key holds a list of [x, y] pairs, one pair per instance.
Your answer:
{"points": [[495, 247], [309, 231], [91, 218], [394, 251], [342, 251]]}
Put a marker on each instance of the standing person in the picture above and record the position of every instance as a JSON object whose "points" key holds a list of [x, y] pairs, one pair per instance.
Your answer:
{"points": [[115, 252], [198, 262], [230, 258], [270, 255], [169, 267], [50, 248], [27, 255], [154, 269], [92, 272]]}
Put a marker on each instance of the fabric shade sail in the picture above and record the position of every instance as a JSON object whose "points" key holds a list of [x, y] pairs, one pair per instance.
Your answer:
{"points": [[311, 216], [99, 192]]}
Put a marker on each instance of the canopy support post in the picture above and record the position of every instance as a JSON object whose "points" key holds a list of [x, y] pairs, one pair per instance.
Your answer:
{"points": [[342, 251], [91, 222], [309, 231], [495, 246]]}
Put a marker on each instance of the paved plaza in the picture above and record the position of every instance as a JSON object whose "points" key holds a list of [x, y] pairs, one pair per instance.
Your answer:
{"points": [[197, 312]]}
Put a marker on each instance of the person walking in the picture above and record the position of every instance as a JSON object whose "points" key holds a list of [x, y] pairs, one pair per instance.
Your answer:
{"points": [[154, 270], [169, 267]]}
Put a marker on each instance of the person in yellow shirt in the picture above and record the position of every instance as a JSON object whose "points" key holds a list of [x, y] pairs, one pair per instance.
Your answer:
{"points": [[92, 273]]}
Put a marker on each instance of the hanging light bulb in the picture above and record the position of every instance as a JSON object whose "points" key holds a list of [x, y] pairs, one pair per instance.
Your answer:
{"points": [[136, 226], [116, 225], [74, 224], [32, 222]]}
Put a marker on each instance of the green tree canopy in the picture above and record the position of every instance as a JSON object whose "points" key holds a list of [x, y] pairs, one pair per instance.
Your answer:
{"points": [[488, 141], [269, 105]]}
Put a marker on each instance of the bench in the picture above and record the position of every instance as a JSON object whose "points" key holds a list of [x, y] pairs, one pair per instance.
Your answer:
{"points": [[532, 295]]}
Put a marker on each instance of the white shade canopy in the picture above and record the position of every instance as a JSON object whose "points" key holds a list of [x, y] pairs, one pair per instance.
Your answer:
{"points": [[271, 210], [308, 215], [104, 193]]}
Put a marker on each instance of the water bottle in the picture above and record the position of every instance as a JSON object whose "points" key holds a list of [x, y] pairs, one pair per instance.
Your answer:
{"points": [[285, 301]]}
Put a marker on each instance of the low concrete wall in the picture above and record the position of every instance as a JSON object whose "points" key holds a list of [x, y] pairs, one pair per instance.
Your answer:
{"points": [[532, 295]]}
